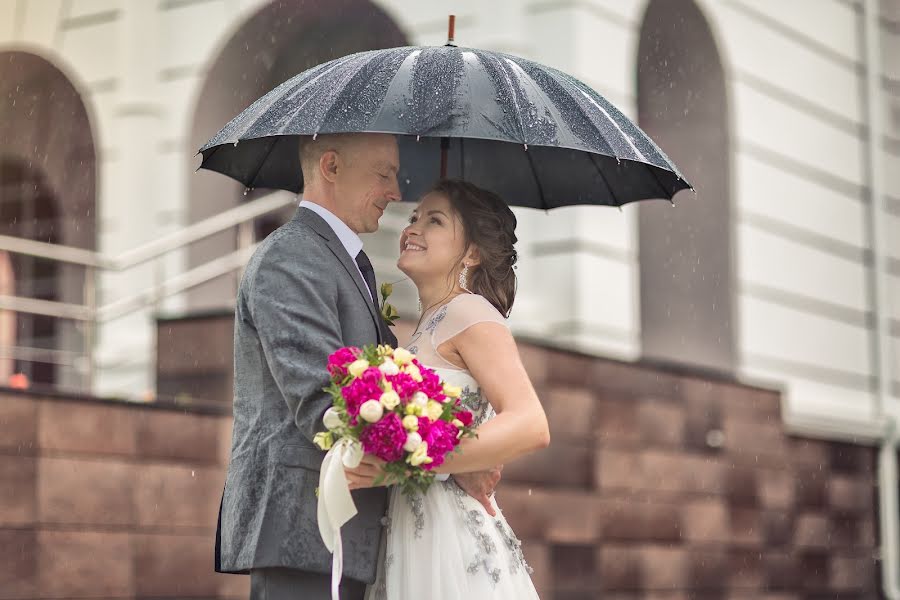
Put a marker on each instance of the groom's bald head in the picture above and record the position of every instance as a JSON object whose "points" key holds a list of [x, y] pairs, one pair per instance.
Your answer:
{"points": [[354, 175]]}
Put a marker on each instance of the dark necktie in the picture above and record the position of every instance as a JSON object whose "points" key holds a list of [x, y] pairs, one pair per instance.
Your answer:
{"points": [[368, 273]]}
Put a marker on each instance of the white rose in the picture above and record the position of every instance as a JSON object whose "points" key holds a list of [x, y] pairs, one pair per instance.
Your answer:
{"points": [[357, 367], [413, 440], [332, 418], [419, 399], [402, 356], [389, 367], [390, 400], [371, 410], [353, 455]]}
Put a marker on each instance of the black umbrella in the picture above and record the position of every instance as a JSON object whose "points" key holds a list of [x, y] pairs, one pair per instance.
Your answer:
{"points": [[535, 135]]}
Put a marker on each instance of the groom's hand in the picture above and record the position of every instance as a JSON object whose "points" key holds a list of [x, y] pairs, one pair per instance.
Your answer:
{"points": [[480, 485], [370, 468]]}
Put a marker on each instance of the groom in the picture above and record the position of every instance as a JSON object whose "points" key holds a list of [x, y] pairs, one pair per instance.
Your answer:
{"points": [[308, 290]]}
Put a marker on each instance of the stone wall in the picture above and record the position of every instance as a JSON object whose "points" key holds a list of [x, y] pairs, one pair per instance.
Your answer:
{"points": [[103, 499], [656, 485], [670, 486]]}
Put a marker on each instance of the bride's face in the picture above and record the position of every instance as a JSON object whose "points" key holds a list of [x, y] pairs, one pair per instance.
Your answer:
{"points": [[432, 244]]}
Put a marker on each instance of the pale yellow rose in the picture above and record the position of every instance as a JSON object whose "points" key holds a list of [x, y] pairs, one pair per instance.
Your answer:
{"points": [[433, 410], [413, 409], [452, 391], [324, 440], [413, 371], [390, 400], [457, 423], [357, 367], [411, 423], [402, 356], [420, 456]]}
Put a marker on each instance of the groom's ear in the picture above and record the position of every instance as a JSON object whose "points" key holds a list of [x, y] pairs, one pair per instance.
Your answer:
{"points": [[328, 165]]}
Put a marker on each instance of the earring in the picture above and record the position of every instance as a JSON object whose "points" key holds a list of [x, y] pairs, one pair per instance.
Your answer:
{"points": [[464, 278]]}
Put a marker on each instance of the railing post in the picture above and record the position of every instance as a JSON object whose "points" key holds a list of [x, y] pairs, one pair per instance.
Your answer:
{"points": [[244, 240], [90, 326]]}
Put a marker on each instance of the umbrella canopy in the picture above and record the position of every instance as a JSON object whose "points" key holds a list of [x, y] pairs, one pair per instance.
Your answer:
{"points": [[534, 135]]}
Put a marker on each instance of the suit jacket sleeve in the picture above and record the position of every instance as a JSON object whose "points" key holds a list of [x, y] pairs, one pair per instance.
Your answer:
{"points": [[293, 304]]}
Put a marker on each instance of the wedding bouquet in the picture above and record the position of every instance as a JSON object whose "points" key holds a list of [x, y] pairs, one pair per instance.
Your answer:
{"points": [[387, 404]]}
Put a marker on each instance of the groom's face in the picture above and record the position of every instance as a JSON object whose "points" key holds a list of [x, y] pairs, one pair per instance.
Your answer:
{"points": [[366, 180]]}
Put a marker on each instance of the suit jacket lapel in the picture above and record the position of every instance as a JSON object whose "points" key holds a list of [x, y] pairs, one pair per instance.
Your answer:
{"points": [[318, 224]]}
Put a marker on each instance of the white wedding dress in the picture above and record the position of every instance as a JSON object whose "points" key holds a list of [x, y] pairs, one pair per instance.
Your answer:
{"points": [[443, 545]]}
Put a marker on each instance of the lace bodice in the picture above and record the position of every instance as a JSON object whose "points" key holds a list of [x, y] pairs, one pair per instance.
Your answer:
{"points": [[443, 324]]}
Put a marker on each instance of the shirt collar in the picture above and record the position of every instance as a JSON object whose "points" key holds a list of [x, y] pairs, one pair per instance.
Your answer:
{"points": [[349, 239]]}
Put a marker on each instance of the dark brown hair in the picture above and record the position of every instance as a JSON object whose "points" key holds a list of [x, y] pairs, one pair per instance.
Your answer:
{"points": [[490, 226]]}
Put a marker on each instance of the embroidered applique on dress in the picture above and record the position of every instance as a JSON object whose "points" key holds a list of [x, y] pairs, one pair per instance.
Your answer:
{"points": [[478, 555]]}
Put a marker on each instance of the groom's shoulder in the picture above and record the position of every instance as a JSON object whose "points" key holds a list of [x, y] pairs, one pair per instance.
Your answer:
{"points": [[293, 241]]}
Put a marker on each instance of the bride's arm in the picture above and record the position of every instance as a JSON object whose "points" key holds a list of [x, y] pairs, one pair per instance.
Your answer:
{"points": [[490, 354]]}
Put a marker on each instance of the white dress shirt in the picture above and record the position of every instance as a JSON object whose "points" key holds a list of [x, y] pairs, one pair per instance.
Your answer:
{"points": [[349, 239]]}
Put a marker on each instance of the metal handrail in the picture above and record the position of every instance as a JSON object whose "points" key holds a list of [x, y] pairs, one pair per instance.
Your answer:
{"points": [[240, 218], [168, 243]]}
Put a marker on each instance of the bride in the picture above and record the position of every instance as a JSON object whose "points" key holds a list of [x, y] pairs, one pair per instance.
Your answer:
{"points": [[445, 545]]}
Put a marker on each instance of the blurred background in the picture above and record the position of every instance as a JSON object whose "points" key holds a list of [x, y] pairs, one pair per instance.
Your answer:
{"points": [[722, 375]]}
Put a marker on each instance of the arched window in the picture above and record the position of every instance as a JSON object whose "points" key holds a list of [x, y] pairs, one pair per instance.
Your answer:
{"points": [[686, 264], [47, 193]]}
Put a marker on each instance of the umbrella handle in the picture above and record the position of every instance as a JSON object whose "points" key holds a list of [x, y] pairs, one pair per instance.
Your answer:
{"points": [[445, 146]]}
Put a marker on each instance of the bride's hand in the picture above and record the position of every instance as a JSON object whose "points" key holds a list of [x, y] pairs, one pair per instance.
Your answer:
{"points": [[363, 476], [480, 485]]}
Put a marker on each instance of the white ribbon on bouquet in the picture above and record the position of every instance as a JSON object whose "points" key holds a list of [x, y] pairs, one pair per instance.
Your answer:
{"points": [[336, 505]]}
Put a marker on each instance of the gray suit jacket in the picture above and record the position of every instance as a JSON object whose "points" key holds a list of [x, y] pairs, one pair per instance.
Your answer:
{"points": [[300, 299]]}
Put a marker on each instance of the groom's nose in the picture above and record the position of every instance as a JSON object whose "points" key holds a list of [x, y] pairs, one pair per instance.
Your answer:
{"points": [[394, 193]]}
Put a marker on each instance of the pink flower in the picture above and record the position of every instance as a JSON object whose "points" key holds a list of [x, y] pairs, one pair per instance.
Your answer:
{"points": [[338, 361], [404, 385], [365, 387], [464, 416], [385, 438], [431, 385], [441, 438]]}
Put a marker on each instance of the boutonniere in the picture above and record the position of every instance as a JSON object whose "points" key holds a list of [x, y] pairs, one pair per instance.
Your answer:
{"points": [[388, 312]]}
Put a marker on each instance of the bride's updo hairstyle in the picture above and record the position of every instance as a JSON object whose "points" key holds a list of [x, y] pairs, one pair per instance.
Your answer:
{"points": [[490, 226]]}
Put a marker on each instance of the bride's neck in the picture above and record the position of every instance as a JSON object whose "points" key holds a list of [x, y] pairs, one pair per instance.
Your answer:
{"points": [[436, 292]]}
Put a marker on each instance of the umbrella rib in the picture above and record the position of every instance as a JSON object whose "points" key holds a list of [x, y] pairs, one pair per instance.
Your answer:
{"points": [[204, 159], [263, 161], [612, 194], [537, 180], [658, 182]]}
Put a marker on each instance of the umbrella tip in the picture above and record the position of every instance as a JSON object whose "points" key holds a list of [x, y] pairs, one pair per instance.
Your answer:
{"points": [[451, 30]]}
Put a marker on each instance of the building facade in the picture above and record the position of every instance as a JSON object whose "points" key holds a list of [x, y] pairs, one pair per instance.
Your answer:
{"points": [[783, 270]]}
